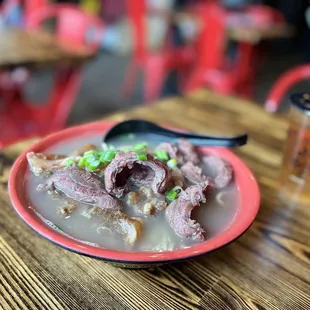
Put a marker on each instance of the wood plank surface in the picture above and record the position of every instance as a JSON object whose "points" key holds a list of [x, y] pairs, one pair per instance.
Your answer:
{"points": [[267, 268], [37, 49]]}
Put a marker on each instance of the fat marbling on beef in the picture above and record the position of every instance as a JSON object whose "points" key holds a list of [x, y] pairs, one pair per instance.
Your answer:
{"points": [[126, 169], [179, 211], [82, 186]]}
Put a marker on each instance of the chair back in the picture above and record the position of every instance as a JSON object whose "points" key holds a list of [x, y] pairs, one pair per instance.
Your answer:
{"points": [[73, 25]]}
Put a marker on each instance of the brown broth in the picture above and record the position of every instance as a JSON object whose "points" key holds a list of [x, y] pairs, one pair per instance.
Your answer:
{"points": [[215, 216]]}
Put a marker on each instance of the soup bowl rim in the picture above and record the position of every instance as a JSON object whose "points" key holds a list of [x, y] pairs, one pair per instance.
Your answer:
{"points": [[248, 190]]}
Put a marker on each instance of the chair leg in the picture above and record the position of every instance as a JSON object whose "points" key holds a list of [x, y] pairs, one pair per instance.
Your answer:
{"points": [[131, 76], [155, 76], [62, 100], [195, 80], [246, 90]]}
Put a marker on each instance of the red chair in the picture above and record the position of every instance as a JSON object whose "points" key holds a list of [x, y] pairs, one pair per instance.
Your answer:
{"points": [[28, 6], [154, 64], [283, 84], [212, 67], [23, 119], [205, 63], [32, 5]]}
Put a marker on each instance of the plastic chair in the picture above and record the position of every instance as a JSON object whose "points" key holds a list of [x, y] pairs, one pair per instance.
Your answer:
{"points": [[283, 84], [212, 67], [155, 64], [205, 63], [23, 119], [16, 12]]}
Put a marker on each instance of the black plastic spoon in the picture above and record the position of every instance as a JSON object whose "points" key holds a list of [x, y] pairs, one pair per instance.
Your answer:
{"points": [[146, 127]]}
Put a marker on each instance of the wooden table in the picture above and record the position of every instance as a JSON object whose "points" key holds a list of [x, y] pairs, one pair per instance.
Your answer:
{"points": [[246, 33], [267, 268], [37, 49]]}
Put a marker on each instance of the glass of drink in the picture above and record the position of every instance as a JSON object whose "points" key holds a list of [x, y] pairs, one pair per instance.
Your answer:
{"points": [[294, 183]]}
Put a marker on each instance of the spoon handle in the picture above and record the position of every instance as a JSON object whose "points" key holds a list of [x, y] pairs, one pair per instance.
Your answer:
{"points": [[210, 140]]}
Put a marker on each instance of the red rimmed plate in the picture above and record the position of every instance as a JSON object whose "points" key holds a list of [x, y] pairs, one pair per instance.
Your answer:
{"points": [[247, 188]]}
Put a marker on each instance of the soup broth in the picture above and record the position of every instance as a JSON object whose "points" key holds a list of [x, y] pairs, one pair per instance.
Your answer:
{"points": [[215, 215]]}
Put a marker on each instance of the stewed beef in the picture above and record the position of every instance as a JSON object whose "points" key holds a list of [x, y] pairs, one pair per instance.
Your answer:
{"points": [[189, 151], [193, 173], [45, 164], [172, 151], [127, 168], [179, 211], [219, 170], [129, 227], [82, 186]]}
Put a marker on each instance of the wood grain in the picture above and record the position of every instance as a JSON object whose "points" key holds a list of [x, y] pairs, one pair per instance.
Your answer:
{"points": [[267, 268], [37, 49]]}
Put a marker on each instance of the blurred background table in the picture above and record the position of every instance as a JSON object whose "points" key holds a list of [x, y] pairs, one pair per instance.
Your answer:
{"points": [[38, 49], [267, 268]]}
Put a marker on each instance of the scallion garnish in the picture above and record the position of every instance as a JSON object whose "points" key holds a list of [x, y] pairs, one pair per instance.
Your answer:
{"points": [[173, 193], [172, 163], [82, 162], [108, 147], [107, 156], [91, 158], [92, 165], [177, 189], [141, 155], [70, 162], [91, 153], [139, 146], [162, 155]]}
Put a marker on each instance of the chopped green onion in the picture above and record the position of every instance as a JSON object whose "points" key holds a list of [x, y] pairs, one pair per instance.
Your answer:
{"points": [[141, 155], [107, 156], [177, 189], [82, 162], [172, 163], [108, 147], [139, 146], [90, 158], [171, 195], [70, 162], [91, 153], [162, 155], [92, 165]]}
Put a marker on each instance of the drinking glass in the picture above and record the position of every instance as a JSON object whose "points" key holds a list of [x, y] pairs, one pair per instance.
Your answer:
{"points": [[294, 183]]}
